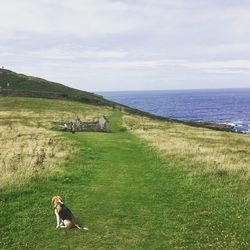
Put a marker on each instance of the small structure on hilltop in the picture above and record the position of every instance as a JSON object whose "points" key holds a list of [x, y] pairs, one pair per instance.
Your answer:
{"points": [[101, 124]]}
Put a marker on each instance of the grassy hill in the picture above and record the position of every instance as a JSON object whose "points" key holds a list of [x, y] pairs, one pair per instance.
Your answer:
{"points": [[152, 183], [14, 84], [149, 184]]}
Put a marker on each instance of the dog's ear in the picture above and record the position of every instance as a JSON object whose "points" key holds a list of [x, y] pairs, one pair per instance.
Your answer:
{"points": [[56, 199], [52, 199], [59, 199]]}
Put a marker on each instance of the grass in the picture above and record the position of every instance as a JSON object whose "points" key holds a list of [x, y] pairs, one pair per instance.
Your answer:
{"points": [[29, 152], [14, 84], [214, 151], [131, 196], [28, 148]]}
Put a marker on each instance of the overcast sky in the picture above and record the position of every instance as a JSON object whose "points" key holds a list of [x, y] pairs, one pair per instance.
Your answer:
{"points": [[98, 45]]}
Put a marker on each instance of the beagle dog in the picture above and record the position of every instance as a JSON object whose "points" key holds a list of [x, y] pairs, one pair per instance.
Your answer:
{"points": [[64, 217]]}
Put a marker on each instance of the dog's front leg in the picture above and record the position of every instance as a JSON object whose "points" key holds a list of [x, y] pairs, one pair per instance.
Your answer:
{"points": [[57, 219]]}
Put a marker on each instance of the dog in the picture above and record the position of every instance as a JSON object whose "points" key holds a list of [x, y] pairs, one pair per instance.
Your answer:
{"points": [[64, 217]]}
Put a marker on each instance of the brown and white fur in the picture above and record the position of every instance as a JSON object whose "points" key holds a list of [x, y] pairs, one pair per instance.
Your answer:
{"points": [[64, 217]]}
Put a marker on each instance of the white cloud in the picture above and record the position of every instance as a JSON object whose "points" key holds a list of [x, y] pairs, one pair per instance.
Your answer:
{"points": [[221, 66], [76, 17], [124, 41], [60, 54]]}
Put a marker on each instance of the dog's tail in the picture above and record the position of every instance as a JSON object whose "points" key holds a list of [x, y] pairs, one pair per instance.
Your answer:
{"points": [[79, 227]]}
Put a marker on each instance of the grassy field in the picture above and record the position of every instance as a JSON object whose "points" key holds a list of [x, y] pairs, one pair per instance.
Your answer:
{"points": [[215, 152], [13, 84], [28, 148], [146, 185]]}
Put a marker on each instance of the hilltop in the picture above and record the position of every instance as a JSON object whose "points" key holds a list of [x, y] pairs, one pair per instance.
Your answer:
{"points": [[15, 84], [20, 85]]}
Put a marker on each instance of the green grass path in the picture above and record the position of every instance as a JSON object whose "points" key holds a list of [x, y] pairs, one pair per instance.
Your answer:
{"points": [[128, 197]]}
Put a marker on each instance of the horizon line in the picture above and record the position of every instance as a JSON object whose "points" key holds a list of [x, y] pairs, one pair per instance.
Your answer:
{"points": [[155, 90]]}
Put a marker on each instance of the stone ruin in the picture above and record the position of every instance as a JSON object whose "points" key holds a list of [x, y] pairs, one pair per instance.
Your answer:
{"points": [[101, 124]]}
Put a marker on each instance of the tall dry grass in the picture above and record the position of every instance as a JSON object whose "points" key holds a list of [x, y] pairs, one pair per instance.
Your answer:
{"points": [[27, 152], [213, 151], [28, 146]]}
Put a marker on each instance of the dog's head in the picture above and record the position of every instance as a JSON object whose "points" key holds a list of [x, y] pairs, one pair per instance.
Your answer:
{"points": [[56, 200]]}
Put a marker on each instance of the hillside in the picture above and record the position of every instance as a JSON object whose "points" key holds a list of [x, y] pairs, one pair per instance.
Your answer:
{"points": [[14, 84], [150, 184]]}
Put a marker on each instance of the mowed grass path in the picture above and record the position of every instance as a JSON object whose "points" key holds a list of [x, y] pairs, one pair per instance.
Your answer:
{"points": [[129, 198]]}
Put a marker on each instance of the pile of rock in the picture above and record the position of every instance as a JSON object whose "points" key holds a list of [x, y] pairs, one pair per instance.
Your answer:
{"points": [[101, 124]]}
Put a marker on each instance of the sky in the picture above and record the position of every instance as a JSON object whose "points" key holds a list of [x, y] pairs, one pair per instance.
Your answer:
{"points": [[112, 45]]}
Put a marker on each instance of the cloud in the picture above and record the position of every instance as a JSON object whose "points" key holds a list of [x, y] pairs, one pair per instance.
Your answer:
{"points": [[228, 66], [121, 41], [75, 17], [60, 54]]}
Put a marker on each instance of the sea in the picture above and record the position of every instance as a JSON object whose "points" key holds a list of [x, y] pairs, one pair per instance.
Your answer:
{"points": [[222, 106]]}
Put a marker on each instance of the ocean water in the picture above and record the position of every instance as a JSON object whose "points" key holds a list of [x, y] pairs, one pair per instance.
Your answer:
{"points": [[224, 106]]}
